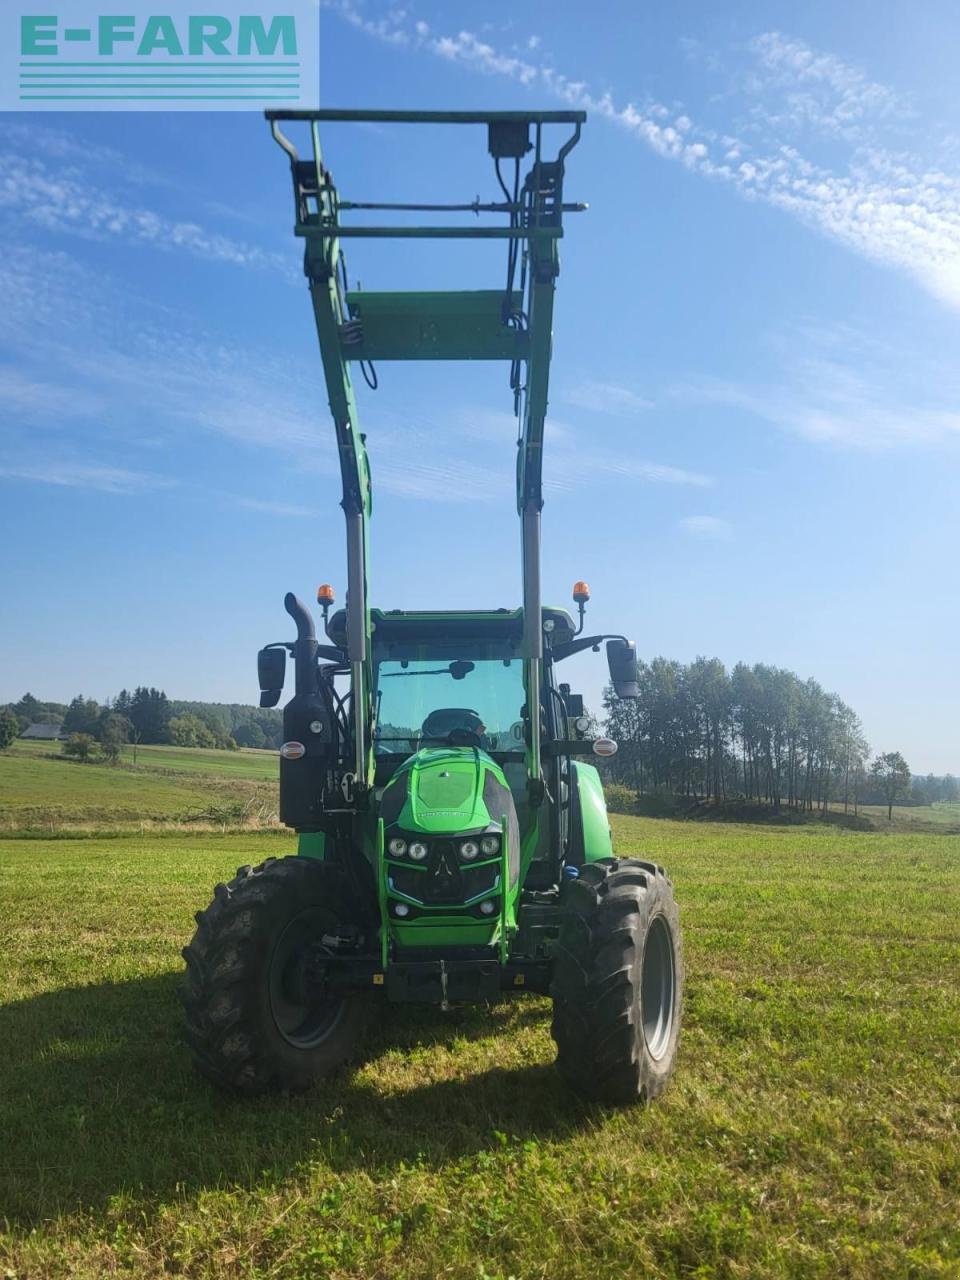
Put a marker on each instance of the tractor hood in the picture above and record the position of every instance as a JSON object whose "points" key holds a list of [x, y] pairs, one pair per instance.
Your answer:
{"points": [[446, 790]]}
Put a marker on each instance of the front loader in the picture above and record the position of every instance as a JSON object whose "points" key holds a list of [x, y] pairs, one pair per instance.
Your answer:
{"points": [[453, 841]]}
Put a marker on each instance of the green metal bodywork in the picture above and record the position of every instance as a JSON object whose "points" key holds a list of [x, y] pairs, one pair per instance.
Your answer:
{"points": [[312, 844], [445, 790], [597, 841], [444, 797]]}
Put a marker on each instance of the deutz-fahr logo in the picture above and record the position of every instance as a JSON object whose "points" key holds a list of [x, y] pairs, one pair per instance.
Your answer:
{"points": [[77, 55]]}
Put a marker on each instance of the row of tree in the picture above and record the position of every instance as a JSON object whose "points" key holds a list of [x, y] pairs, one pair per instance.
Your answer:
{"points": [[147, 715], [758, 733]]}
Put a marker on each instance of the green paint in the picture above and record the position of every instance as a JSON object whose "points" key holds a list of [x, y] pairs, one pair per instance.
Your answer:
{"points": [[435, 326], [444, 798], [445, 790], [596, 824], [312, 844]]}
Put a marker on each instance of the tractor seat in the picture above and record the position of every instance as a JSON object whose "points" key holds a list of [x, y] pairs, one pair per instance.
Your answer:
{"points": [[442, 722]]}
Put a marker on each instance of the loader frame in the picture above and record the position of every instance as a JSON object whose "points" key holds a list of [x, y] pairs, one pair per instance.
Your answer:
{"points": [[513, 325]]}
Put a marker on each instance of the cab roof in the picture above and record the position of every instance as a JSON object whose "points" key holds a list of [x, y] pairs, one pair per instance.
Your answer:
{"points": [[493, 624]]}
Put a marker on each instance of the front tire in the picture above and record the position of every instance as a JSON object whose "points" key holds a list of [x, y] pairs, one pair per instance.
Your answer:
{"points": [[246, 1024], [618, 982]]}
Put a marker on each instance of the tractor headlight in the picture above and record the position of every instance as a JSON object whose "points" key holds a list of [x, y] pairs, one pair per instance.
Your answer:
{"points": [[397, 847], [490, 845], [417, 851], [469, 850]]}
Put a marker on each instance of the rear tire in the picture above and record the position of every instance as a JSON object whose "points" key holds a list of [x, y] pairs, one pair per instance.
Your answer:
{"points": [[245, 1025], [618, 982]]}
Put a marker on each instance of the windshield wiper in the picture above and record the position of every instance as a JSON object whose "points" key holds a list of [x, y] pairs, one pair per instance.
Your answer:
{"points": [[459, 668]]}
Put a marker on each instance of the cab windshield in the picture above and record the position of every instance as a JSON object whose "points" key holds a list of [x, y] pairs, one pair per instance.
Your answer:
{"points": [[458, 697]]}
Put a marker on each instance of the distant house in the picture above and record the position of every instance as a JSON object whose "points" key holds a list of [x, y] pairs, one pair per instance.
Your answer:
{"points": [[44, 732]]}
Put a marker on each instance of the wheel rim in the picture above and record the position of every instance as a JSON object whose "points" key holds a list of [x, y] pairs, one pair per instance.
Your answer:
{"points": [[304, 1026], [657, 986]]}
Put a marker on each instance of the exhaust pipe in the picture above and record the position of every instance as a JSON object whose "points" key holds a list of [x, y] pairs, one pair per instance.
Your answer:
{"points": [[305, 650]]}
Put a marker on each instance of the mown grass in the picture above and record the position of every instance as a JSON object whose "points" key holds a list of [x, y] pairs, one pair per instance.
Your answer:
{"points": [[811, 1130], [42, 789], [907, 816], [246, 763]]}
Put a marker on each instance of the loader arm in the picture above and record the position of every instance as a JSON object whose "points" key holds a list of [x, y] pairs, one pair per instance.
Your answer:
{"points": [[512, 324]]}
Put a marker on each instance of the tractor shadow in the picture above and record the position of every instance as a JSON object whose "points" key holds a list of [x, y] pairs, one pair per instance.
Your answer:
{"points": [[98, 1099]]}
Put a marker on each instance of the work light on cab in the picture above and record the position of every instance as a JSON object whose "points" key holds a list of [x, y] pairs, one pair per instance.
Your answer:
{"points": [[325, 598], [581, 594]]}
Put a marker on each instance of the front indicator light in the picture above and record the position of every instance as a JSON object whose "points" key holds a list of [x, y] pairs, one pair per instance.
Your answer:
{"points": [[490, 844], [469, 850], [397, 847], [417, 851], [604, 747]]}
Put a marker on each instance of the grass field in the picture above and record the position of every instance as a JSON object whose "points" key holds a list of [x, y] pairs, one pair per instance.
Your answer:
{"points": [[941, 815], [41, 789], [811, 1129], [246, 763]]}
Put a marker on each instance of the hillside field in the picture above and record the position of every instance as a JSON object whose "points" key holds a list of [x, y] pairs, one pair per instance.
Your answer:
{"points": [[811, 1129], [40, 788]]}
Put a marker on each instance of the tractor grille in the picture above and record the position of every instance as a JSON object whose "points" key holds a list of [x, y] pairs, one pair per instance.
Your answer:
{"points": [[446, 881]]}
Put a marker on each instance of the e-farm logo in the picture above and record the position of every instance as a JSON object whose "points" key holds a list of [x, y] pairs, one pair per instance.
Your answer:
{"points": [[78, 56]]}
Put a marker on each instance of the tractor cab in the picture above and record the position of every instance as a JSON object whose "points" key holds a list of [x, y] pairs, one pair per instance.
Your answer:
{"points": [[457, 818]]}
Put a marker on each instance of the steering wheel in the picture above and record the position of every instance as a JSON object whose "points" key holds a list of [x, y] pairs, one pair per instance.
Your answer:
{"points": [[461, 737]]}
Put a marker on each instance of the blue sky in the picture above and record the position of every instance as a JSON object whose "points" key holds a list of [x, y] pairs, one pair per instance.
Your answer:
{"points": [[755, 409]]}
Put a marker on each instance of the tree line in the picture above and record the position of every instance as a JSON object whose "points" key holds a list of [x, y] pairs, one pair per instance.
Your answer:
{"points": [[757, 733], [147, 715]]}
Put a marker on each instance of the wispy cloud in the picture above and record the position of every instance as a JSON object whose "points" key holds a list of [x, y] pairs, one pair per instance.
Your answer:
{"points": [[606, 397], [708, 528], [890, 207], [32, 397], [836, 388], [637, 469], [85, 372], [73, 149], [467, 48], [269, 507], [52, 187], [819, 90], [84, 475]]}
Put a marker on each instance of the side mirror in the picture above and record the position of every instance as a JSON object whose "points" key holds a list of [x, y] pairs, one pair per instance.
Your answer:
{"points": [[271, 669], [624, 674]]}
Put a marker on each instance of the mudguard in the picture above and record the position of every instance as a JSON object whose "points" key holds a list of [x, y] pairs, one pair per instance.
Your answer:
{"points": [[590, 837]]}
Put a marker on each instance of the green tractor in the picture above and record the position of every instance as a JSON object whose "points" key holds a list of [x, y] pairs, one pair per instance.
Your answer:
{"points": [[453, 841]]}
